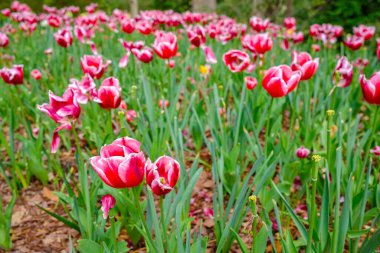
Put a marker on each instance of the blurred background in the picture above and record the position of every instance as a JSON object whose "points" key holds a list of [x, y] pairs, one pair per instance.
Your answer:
{"points": [[347, 13]]}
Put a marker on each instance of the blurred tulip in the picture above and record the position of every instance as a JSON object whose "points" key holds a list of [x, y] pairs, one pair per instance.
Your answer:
{"points": [[371, 88], [108, 202], [210, 56], [4, 41], [109, 94], [304, 63], [250, 82], [280, 80], [162, 175], [196, 35], [36, 74], [258, 43], [54, 21], [290, 23], [145, 54], [343, 73], [366, 32], [165, 45], [354, 42], [64, 38], [128, 26], [258, 24], [376, 151], [94, 65], [13, 76], [236, 60], [302, 152]]}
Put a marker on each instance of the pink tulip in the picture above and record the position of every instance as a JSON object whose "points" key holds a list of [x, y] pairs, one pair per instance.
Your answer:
{"points": [[124, 60], [165, 45], [366, 32], [302, 152], [209, 54], [304, 63], [109, 94], [128, 26], [94, 65], [108, 202], [258, 43], [62, 110], [162, 175], [250, 82], [144, 27], [120, 164], [14, 76], [354, 42], [371, 88], [376, 151], [290, 23], [54, 21], [258, 24], [343, 73], [196, 35], [145, 54], [84, 89], [280, 80], [36, 74], [236, 60], [64, 38], [4, 41]]}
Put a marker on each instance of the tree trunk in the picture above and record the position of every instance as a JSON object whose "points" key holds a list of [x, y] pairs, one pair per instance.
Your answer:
{"points": [[134, 8], [204, 5]]}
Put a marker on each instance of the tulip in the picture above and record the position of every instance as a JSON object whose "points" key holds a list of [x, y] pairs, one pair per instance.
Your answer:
{"points": [[250, 82], [144, 27], [14, 76], [371, 88], [165, 45], [209, 54], [94, 65], [304, 63], [109, 94], [4, 41], [236, 60], [302, 152], [366, 32], [258, 43], [258, 24], [145, 54], [128, 26], [196, 35], [108, 202], [280, 80], [62, 110], [124, 60], [82, 88], [290, 23], [64, 38], [343, 73], [36, 74], [378, 49], [354, 42], [54, 21], [376, 151], [162, 175], [120, 164]]}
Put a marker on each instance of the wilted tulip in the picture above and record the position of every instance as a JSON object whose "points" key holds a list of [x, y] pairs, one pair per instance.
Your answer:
{"points": [[371, 88], [109, 94], [280, 80], [250, 82], [14, 76], [4, 41], [64, 38], [302, 152], [162, 175], [36, 74], [236, 60], [145, 54], [94, 65], [62, 110], [196, 35], [108, 202], [304, 63], [343, 73], [165, 45], [120, 164]]}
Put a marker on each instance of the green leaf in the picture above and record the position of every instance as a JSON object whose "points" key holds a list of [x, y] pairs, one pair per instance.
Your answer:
{"points": [[86, 246], [372, 244], [242, 245]]}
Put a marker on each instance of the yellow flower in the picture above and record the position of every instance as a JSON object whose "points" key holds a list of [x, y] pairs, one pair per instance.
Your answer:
{"points": [[330, 113], [204, 69], [316, 158]]}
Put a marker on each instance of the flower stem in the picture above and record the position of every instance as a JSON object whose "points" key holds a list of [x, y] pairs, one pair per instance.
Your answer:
{"points": [[163, 222], [267, 127], [314, 178]]}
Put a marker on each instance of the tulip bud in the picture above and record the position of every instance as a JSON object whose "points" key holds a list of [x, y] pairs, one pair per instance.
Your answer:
{"points": [[302, 152], [108, 202]]}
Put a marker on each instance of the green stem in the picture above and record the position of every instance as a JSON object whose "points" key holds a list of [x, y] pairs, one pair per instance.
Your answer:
{"points": [[136, 197], [166, 241], [267, 127], [113, 235], [313, 210]]}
